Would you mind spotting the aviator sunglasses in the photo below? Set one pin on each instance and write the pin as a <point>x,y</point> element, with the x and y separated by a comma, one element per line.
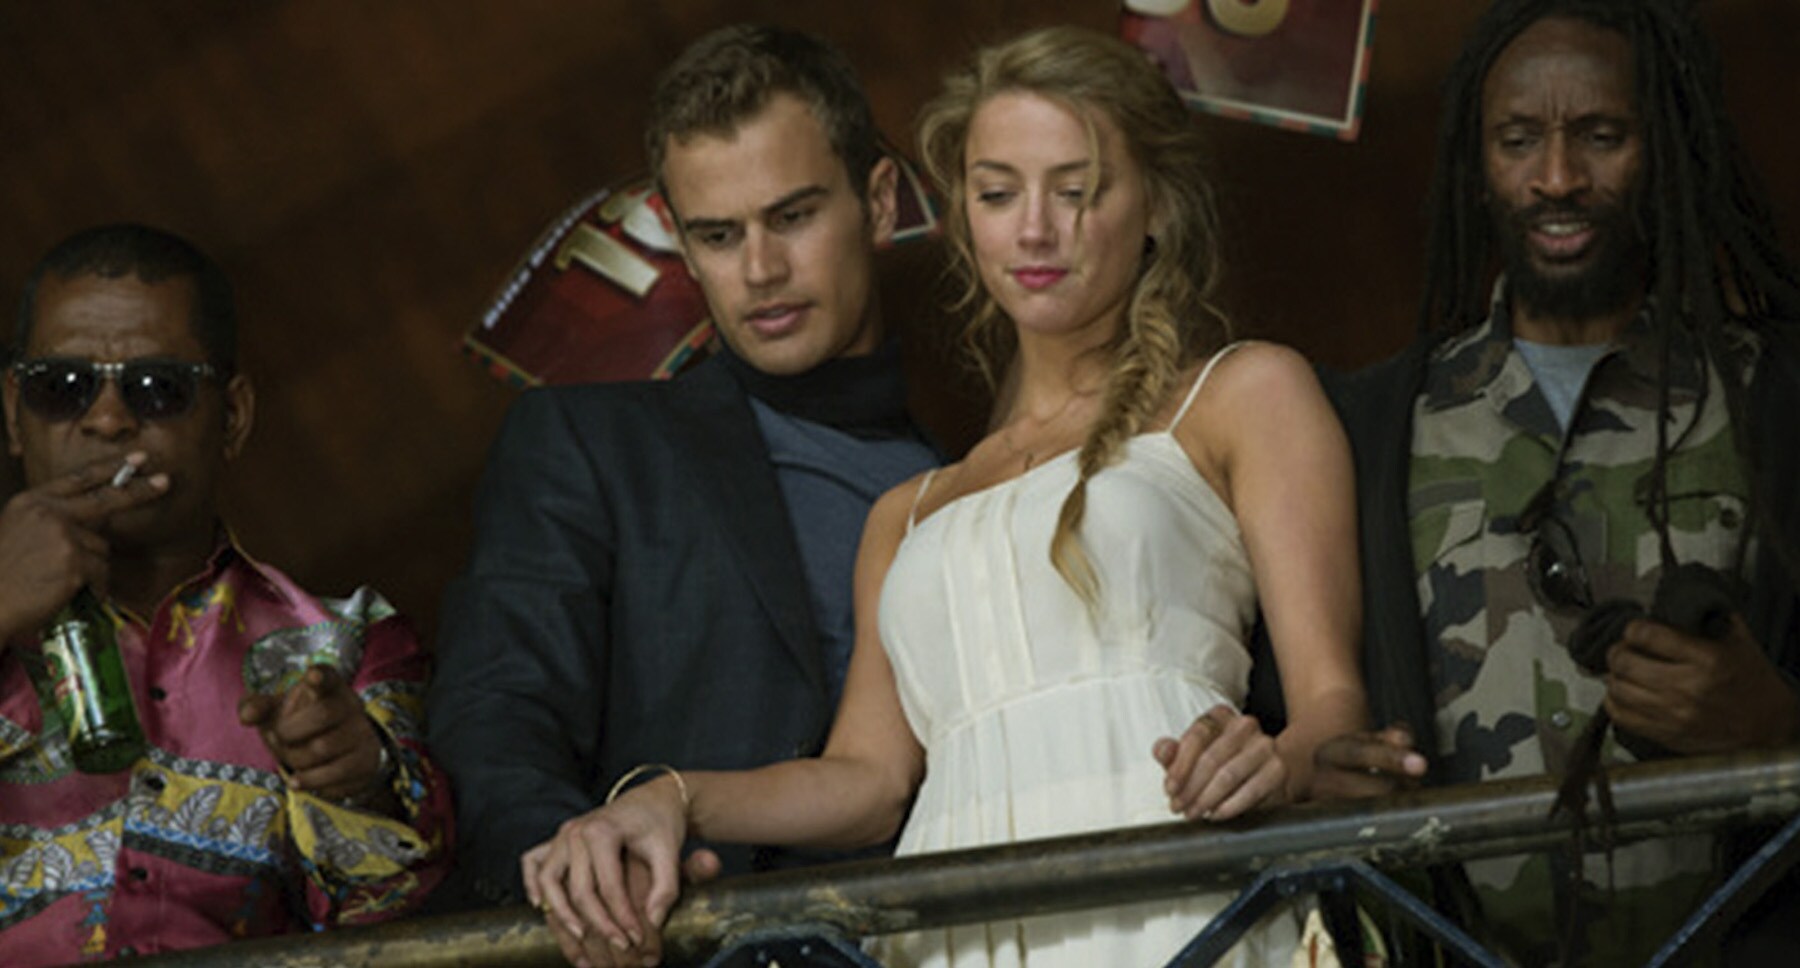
<point>1553,563</point>
<point>154,389</point>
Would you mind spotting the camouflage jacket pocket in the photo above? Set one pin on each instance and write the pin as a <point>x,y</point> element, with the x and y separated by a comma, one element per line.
<point>1449,535</point>
<point>1704,526</point>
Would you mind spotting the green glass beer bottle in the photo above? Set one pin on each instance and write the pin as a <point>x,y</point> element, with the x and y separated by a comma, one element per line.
<point>89,687</point>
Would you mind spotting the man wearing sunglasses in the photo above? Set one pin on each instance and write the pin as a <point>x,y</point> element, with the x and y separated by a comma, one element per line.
<point>284,786</point>
<point>1615,406</point>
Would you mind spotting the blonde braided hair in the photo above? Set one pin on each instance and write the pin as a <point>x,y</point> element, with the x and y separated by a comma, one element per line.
<point>1170,319</point>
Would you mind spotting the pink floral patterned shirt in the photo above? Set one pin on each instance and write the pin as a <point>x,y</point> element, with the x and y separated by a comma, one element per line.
<point>201,842</point>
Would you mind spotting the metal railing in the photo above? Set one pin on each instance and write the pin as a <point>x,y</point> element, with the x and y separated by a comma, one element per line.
<point>1298,844</point>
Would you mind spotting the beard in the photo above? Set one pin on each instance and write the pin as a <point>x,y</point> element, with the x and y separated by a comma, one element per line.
<point>1611,278</point>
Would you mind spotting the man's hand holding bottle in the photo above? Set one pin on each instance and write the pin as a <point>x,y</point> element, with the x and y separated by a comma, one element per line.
<point>50,538</point>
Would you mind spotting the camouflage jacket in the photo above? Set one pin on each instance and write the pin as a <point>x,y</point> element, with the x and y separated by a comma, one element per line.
<point>1452,440</point>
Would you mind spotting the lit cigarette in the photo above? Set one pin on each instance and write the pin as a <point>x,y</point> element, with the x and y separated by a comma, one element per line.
<point>126,472</point>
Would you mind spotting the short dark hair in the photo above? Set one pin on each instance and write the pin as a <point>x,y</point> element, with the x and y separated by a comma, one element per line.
<point>729,75</point>
<point>153,255</point>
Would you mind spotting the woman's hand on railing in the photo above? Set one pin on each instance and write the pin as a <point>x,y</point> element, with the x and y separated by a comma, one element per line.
<point>608,878</point>
<point>1222,767</point>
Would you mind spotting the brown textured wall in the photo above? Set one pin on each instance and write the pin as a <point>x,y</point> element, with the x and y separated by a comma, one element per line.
<point>368,173</point>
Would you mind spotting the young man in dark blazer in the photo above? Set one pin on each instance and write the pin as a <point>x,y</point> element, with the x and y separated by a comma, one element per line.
<point>661,572</point>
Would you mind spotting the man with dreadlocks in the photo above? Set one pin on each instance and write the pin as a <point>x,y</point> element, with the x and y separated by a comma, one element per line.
<point>1563,437</point>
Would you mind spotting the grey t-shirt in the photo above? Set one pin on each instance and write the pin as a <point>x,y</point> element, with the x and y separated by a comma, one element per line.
<point>1560,372</point>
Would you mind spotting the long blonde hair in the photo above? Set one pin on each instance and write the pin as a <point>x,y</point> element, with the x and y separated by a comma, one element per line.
<point>1170,320</point>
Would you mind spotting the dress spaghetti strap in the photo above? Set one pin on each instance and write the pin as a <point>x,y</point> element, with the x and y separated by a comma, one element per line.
<point>1200,381</point>
<point>912,515</point>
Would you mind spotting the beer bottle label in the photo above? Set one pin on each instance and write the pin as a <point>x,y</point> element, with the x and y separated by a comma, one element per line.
<point>67,665</point>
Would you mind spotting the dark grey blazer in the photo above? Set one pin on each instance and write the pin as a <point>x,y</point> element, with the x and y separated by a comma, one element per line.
<point>633,595</point>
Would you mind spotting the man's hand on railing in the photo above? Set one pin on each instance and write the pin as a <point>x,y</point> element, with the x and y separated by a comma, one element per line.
<point>1223,766</point>
<point>1366,764</point>
<point>608,878</point>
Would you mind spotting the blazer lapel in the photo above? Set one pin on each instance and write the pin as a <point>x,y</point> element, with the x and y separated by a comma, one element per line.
<point>737,483</point>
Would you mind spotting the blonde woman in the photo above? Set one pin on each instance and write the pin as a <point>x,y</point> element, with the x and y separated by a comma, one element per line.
<point>1051,632</point>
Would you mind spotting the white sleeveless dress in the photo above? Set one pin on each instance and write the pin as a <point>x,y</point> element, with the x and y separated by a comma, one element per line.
<point>1037,720</point>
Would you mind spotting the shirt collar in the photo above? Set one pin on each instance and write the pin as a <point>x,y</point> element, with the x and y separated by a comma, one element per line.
<point>228,555</point>
<point>1484,362</point>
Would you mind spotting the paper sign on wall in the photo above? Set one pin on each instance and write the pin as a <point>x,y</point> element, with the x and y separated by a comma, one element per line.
<point>1298,64</point>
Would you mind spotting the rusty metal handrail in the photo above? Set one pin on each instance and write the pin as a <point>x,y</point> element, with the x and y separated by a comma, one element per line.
<point>1087,871</point>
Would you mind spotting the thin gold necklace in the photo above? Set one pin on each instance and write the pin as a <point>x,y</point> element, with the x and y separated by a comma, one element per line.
<point>1030,455</point>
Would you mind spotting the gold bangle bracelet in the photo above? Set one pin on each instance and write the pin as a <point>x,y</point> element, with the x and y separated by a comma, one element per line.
<point>643,768</point>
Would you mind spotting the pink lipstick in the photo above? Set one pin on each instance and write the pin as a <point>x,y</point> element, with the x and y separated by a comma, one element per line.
<point>1039,277</point>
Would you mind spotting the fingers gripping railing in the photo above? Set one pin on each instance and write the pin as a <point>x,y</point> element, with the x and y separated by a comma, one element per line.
<point>1096,870</point>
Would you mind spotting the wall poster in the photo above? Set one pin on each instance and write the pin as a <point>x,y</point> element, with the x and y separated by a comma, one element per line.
<point>1298,64</point>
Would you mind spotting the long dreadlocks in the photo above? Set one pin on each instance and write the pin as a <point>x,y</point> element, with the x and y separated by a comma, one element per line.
<point>1713,254</point>
<point>1713,250</point>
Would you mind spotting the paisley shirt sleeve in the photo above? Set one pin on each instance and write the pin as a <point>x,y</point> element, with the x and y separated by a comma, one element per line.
<point>362,866</point>
<point>14,740</point>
